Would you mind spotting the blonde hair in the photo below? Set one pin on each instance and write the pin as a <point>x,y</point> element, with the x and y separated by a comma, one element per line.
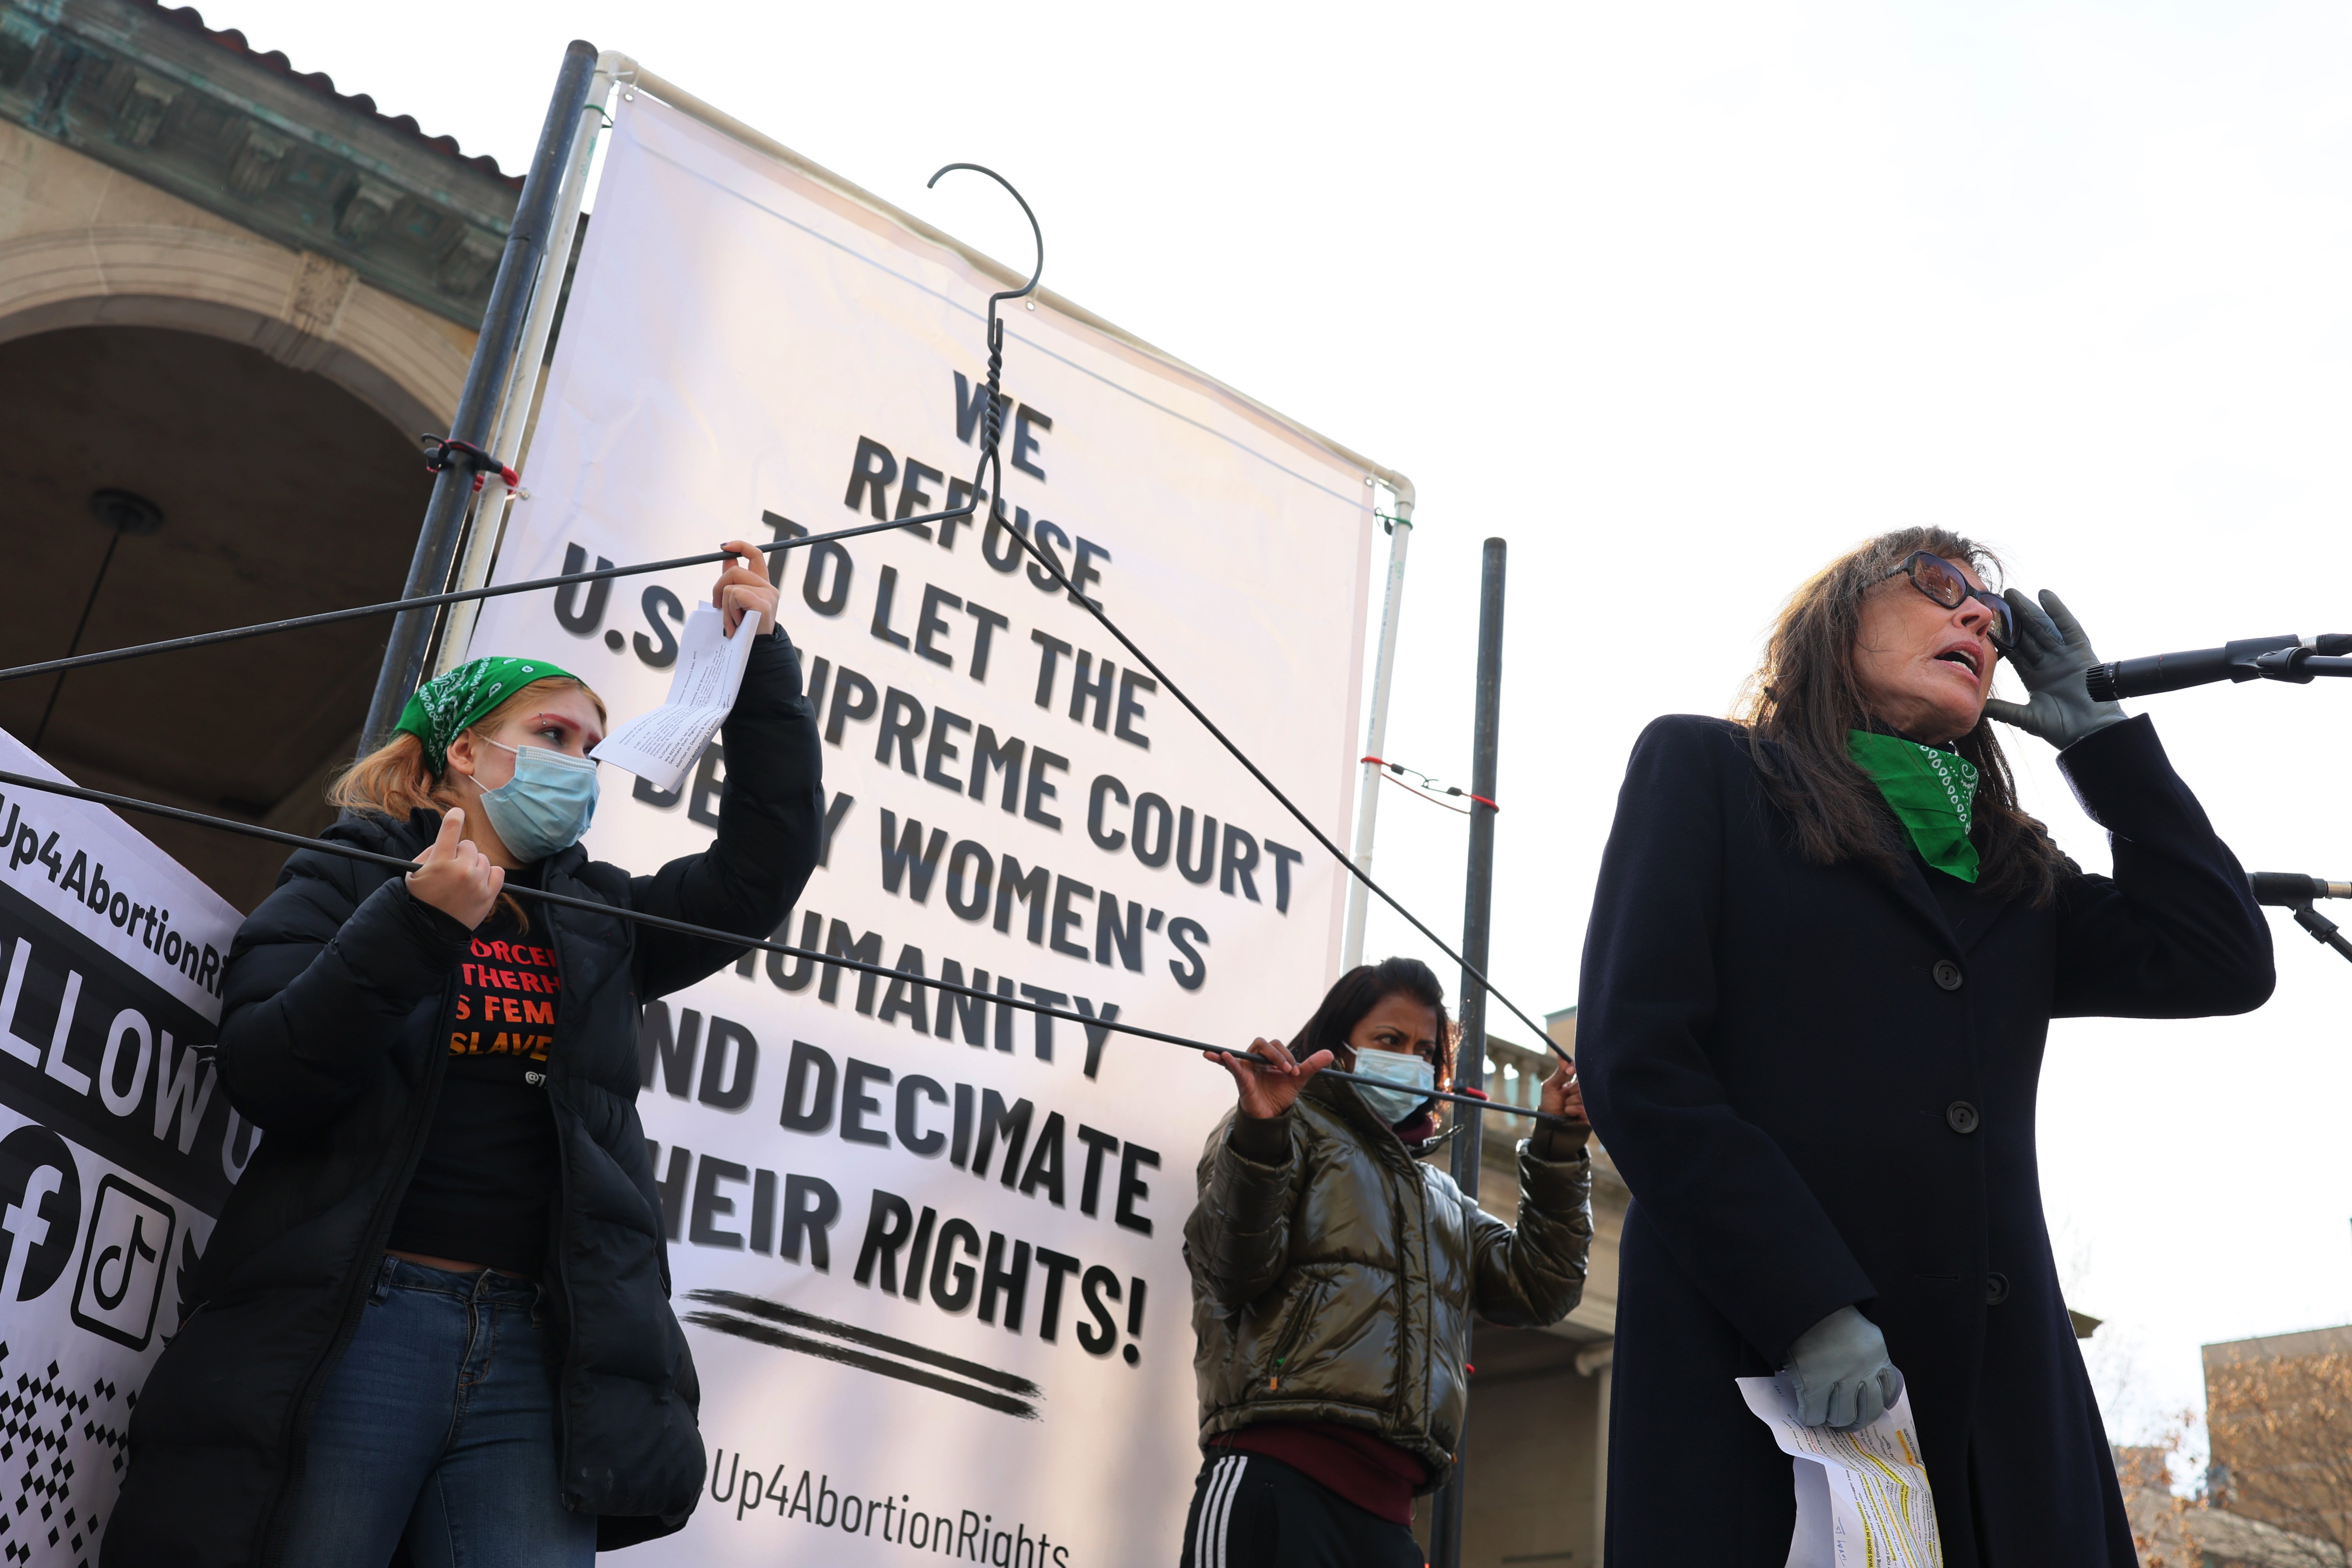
<point>392,781</point>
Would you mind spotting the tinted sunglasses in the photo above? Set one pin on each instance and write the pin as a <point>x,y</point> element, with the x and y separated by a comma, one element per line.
<point>1949,586</point>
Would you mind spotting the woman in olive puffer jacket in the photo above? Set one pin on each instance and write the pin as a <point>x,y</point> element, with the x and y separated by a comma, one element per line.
<point>1334,1276</point>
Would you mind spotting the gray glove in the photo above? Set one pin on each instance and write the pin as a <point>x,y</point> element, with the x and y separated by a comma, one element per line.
<point>1841,1372</point>
<point>2052,656</point>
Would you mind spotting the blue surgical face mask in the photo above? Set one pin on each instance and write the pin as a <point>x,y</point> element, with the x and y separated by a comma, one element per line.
<point>548,804</point>
<point>1393,1105</point>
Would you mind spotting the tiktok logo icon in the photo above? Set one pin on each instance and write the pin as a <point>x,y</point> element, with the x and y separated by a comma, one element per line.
<point>121,1284</point>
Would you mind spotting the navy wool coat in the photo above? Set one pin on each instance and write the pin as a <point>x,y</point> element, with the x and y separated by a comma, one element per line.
<point>1820,1085</point>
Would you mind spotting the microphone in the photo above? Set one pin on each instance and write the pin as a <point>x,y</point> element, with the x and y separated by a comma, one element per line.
<point>2172,671</point>
<point>2285,657</point>
<point>2289,890</point>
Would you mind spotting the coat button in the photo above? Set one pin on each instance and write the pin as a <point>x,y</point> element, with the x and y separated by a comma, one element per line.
<point>1996,1290</point>
<point>1947,974</point>
<point>1962,1117</point>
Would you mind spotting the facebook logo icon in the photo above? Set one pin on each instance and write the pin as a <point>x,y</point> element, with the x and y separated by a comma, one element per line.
<point>123,1266</point>
<point>40,1213</point>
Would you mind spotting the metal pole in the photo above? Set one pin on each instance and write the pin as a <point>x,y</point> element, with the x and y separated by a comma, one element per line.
<point>1351,950</point>
<point>485,378</point>
<point>518,407</point>
<point>1477,906</point>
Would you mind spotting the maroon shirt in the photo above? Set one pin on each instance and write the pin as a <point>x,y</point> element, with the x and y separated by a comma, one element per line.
<point>1378,1477</point>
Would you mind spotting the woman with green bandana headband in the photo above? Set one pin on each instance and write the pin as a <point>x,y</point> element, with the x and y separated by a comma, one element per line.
<point>435,1310</point>
<point>1335,1274</point>
<point>1822,959</point>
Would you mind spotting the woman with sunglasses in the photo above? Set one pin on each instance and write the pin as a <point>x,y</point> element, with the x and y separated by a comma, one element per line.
<point>1825,952</point>
<point>435,1314</point>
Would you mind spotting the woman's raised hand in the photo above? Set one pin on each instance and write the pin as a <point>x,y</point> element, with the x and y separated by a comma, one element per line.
<point>1563,1096</point>
<point>455,877</point>
<point>1267,1089</point>
<point>744,585</point>
<point>2052,656</point>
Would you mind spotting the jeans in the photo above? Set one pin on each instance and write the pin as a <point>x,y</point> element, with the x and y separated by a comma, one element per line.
<point>438,1423</point>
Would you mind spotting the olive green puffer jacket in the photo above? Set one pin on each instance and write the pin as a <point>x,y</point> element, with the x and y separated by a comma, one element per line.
<point>1338,1285</point>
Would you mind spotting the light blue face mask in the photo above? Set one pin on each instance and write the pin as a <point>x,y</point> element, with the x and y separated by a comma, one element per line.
<point>1393,1105</point>
<point>547,805</point>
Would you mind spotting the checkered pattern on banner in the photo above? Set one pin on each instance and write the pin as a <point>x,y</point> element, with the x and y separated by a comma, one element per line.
<point>50,1434</point>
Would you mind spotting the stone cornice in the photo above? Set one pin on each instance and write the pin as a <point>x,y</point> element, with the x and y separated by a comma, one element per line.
<point>152,93</point>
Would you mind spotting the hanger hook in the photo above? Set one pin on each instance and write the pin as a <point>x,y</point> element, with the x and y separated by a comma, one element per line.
<point>1037,231</point>
<point>992,424</point>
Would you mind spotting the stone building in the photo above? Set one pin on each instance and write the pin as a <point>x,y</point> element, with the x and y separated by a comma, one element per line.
<point>231,298</point>
<point>2278,1413</point>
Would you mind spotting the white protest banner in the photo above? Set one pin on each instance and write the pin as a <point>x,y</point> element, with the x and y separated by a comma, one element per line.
<point>117,1149</point>
<point>929,1250</point>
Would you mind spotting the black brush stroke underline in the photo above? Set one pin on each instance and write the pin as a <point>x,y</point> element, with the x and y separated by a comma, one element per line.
<point>761,1333</point>
<point>793,1317</point>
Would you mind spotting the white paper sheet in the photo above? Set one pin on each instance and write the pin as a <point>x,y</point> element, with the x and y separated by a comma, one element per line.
<point>1862,1497</point>
<point>660,746</point>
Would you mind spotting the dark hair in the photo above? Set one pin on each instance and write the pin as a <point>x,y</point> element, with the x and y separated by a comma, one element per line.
<point>1359,991</point>
<point>1803,698</point>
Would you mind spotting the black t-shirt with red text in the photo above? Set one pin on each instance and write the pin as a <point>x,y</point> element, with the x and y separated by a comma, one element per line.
<point>482,1186</point>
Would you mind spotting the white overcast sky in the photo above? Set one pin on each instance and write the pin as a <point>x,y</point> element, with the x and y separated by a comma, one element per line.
<point>1682,299</point>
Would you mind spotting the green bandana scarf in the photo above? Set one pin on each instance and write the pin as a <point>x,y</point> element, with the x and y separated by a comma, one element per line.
<point>444,705</point>
<point>1931,792</point>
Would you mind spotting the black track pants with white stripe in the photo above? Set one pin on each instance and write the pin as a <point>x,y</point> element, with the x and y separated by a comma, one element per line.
<point>1250,1511</point>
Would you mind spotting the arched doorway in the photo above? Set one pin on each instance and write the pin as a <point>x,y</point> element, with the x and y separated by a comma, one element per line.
<point>279,493</point>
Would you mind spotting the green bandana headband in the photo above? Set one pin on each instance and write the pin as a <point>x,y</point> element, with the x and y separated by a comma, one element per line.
<point>445,705</point>
<point>1931,792</point>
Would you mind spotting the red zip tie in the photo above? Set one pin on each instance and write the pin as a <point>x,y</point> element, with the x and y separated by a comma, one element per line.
<point>1401,768</point>
<point>442,452</point>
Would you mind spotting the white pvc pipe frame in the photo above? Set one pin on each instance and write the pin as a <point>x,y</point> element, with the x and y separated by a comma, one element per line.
<point>518,409</point>
<point>1376,732</point>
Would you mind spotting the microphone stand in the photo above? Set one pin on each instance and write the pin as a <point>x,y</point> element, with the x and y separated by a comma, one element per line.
<point>2323,930</point>
<point>2295,893</point>
<point>2300,666</point>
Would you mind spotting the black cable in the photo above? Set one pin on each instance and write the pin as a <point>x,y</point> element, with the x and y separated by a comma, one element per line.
<point>203,639</point>
<point>1062,581</point>
<point>425,601</point>
<point>709,933</point>
<point>989,463</point>
<point>105,564</point>
<point>968,511</point>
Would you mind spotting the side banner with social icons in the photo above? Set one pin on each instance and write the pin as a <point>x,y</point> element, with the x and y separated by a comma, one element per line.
<point>117,1146</point>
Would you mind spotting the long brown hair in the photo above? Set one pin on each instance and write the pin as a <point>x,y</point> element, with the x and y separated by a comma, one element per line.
<point>1803,698</point>
<point>392,781</point>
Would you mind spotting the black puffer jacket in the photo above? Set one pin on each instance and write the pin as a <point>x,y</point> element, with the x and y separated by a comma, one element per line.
<point>1338,1283</point>
<point>336,991</point>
